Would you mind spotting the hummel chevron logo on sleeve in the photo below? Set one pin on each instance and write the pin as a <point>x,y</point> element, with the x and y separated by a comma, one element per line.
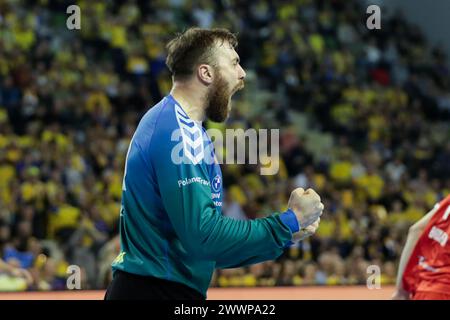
<point>192,136</point>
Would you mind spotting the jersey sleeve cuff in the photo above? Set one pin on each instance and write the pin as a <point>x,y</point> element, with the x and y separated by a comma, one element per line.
<point>290,220</point>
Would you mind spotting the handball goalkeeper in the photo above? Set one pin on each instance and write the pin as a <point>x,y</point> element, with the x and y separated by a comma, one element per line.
<point>173,234</point>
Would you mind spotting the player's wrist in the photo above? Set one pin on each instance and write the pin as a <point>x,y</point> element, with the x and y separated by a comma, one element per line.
<point>289,219</point>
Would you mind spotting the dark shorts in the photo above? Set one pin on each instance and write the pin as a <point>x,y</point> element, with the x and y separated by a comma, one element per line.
<point>127,286</point>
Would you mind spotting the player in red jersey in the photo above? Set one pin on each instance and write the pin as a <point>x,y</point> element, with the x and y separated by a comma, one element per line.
<point>424,270</point>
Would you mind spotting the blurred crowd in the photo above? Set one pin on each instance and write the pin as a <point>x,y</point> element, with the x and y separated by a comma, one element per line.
<point>70,101</point>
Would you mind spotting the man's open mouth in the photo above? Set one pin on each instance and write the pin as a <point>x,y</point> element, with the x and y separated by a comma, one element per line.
<point>238,87</point>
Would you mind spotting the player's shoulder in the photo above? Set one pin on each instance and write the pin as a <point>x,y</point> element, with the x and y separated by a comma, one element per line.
<point>158,120</point>
<point>166,127</point>
<point>447,198</point>
<point>147,127</point>
<point>445,202</point>
<point>180,136</point>
<point>158,115</point>
<point>165,117</point>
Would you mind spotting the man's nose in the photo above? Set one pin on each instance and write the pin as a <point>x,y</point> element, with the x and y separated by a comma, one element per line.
<point>242,73</point>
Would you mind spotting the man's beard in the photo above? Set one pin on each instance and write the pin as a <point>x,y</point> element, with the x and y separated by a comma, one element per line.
<point>219,98</point>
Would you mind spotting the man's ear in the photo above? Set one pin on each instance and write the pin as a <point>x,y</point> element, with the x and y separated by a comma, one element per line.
<point>205,73</point>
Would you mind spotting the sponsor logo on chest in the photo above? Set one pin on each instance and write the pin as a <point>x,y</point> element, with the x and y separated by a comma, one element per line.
<point>438,235</point>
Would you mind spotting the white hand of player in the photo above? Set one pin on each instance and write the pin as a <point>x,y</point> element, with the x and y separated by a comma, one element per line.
<point>306,205</point>
<point>306,232</point>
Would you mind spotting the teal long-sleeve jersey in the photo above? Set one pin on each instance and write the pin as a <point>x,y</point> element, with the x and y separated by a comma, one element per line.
<point>171,224</point>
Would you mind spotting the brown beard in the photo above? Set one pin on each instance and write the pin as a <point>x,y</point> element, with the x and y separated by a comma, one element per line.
<point>218,99</point>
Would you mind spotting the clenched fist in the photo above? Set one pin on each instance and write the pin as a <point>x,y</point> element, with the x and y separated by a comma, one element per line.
<point>306,232</point>
<point>307,207</point>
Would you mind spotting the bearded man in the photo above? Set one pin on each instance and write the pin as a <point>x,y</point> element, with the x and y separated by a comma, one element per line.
<point>173,234</point>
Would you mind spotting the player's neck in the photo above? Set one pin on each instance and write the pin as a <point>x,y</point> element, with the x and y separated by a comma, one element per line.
<point>191,99</point>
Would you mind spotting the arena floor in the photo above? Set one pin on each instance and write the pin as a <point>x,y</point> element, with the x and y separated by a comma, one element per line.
<point>280,293</point>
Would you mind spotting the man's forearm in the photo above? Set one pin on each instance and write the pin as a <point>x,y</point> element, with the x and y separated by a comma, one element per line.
<point>411,241</point>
